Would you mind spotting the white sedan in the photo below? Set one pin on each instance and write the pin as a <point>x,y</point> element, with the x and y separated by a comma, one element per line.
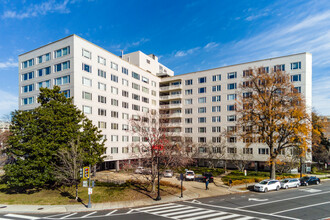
<point>287,183</point>
<point>267,185</point>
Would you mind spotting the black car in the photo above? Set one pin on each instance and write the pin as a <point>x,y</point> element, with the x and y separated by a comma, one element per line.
<point>305,181</point>
<point>209,176</point>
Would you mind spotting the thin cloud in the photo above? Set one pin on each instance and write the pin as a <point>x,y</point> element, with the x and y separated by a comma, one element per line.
<point>8,64</point>
<point>255,17</point>
<point>211,45</point>
<point>182,53</point>
<point>35,10</point>
<point>8,103</point>
<point>321,96</point>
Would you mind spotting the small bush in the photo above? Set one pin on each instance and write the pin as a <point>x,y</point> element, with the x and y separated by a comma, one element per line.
<point>314,170</point>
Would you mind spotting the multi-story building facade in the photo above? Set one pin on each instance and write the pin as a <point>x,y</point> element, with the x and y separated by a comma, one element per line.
<point>111,89</point>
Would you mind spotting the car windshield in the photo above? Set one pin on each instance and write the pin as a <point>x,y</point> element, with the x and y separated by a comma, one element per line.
<point>190,172</point>
<point>305,178</point>
<point>263,182</point>
<point>285,181</point>
<point>168,171</point>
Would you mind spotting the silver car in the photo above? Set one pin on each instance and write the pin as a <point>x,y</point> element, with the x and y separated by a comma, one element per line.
<point>291,182</point>
<point>168,173</point>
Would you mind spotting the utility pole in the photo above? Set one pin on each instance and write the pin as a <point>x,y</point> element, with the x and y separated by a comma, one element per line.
<point>89,189</point>
<point>158,193</point>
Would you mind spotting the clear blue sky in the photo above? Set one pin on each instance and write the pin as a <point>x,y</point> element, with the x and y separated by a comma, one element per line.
<point>186,35</point>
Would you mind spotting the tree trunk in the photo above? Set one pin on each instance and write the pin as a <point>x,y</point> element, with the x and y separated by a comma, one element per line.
<point>272,169</point>
<point>225,166</point>
<point>153,176</point>
<point>76,191</point>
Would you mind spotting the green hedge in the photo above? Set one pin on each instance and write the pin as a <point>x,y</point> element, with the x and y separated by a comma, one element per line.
<point>201,170</point>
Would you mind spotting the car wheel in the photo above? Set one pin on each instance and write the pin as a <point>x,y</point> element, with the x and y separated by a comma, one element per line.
<point>317,182</point>
<point>297,185</point>
<point>266,190</point>
<point>286,187</point>
<point>306,184</point>
<point>278,188</point>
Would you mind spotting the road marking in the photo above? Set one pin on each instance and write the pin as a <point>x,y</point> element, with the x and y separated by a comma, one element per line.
<point>171,210</point>
<point>88,214</point>
<point>182,212</point>
<point>148,207</point>
<point>111,212</point>
<point>52,216</point>
<point>212,215</point>
<point>196,201</point>
<point>68,215</point>
<point>258,200</point>
<point>22,216</point>
<point>225,217</point>
<point>281,200</point>
<point>193,214</point>
<point>244,210</point>
<point>245,218</point>
<point>302,207</point>
<point>130,211</point>
<point>5,219</point>
<point>310,190</point>
<point>152,209</point>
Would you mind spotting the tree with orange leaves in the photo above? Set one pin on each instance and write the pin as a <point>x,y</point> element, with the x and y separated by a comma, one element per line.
<point>273,112</point>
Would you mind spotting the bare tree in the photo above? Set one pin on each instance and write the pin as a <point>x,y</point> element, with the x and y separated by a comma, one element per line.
<point>240,157</point>
<point>272,111</point>
<point>66,171</point>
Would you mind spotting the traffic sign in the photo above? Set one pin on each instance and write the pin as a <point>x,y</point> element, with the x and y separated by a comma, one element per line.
<point>85,183</point>
<point>86,172</point>
<point>90,191</point>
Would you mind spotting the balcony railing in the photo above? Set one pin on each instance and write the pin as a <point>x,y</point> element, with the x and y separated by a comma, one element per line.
<point>167,97</point>
<point>179,105</point>
<point>171,87</point>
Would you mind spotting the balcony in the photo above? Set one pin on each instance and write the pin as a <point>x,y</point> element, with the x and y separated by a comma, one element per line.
<point>168,97</point>
<point>174,133</point>
<point>169,106</point>
<point>171,87</point>
<point>173,115</point>
<point>173,124</point>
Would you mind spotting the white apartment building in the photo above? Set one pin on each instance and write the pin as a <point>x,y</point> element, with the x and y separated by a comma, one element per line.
<point>110,90</point>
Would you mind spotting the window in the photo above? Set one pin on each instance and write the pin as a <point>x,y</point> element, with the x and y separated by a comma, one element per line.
<point>135,75</point>
<point>114,90</point>
<point>216,98</point>
<point>124,138</point>
<point>216,139</point>
<point>202,140</point>
<point>279,67</point>
<point>231,139</point>
<point>216,78</point>
<point>27,76</point>
<point>27,88</point>
<point>135,107</point>
<point>145,99</point>
<point>27,63</point>
<point>102,112</point>
<point>124,93</point>
<point>188,101</point>
<point>202,130</point>
<point>231,129</point>
<point>101,60</point>
<point>124,127</point>
<point>188,120</point>
<point>114,102</point>
<point>297,89</point>
<point>216,118</point>
<point>231,86</point>
<point>153,83</point>
<point>202,110</point>
<point>216,88</point>
<point>44,84</point>
<point>44,58</point>
<point>216,150</point>
<point>66,93</point>
<point>114,114</point>
<point>135,96</point>
<point>87,95</point>
<point>188,111</point>
<point>124,116</point>
<point>188,82</point>
<point>296,65</point>
<point>153,93</point>
<point>135,86</point>
<point>87,54</point>
<point>87,68</point>
<point>264,69</point>
<point>231,97</point>
<point>202,120</point>
<point>101,86</point>
<point>124,104</point>
<point>202,100</point>
<point>102,99</point>
<point>114,150</point>
<point>189,92</point>
<point>145,109</point>
<point>296,78</point>
<point>231,107</point>
<point>62,52</point>
<point>125,82</point>
<point>27,101</point>
<point>124,70</point>
<point>232,75</point>
<point>247,94</point>
<point>145,90</point>
<point>263,150</point>
<point>62,66</point>
<point>114,126</point>
<point>145,79</point>
<point>87,82</point>
<point>231,118</point>
<point>114,78</point>
<point>114,138</point>
<point>202,90</point>
<point>216,108</point>
<point>62,80</point>
<point>231,150</point>
<point>188,130</point>
<point>202,80</point>
<point>216,129</point>
<point>87,109</point>
<point>114,66</point>
<point>102,73</point>
<point>124,150</point>
<point>44,71</point>
<point>247,73</point>
<point>148,61</point>
<point>247,150</point>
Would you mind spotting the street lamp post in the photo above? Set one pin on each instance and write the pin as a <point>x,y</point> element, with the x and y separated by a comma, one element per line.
<point>158,192</point>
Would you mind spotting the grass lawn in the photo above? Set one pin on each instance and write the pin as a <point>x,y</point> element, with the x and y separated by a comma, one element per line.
<point>103,192</point>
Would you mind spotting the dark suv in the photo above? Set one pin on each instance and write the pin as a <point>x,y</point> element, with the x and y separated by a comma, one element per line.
<point>208,175</point>
<point>305,181</point>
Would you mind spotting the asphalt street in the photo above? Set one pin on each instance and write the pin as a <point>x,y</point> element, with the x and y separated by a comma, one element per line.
<point>310,202</point>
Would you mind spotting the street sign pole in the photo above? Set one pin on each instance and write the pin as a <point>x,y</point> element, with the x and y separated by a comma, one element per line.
<point>181,177</point>
<point>89,186</point>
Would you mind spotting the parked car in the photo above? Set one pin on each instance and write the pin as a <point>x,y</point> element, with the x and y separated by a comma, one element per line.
<point>291,182</point>
<point>267,185</point>
<point>208,175</point>
<point>309,180</point>
<point>190,175</point>
<point>168,173</point>
<point>142,170</point>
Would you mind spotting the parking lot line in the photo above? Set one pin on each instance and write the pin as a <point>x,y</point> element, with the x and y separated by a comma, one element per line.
<point>88,215</point>
<point>301,207</point>
<point>281,200</point>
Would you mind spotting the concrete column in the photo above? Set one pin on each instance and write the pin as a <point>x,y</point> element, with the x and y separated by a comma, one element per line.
<point>117,165</point>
